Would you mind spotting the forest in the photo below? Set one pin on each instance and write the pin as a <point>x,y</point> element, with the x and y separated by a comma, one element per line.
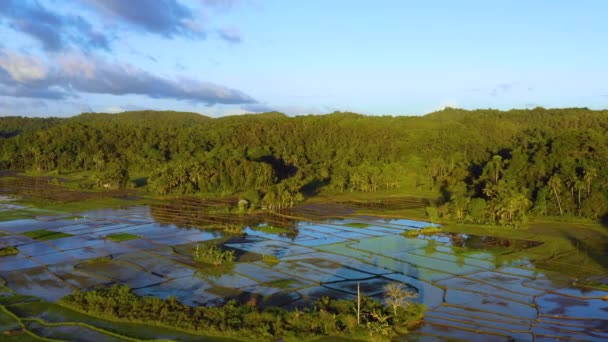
<point>482,166</point>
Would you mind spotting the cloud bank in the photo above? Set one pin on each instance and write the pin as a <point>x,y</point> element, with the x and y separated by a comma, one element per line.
<point>69,74</point>
<point>52,30</point>
<point>167,18</point>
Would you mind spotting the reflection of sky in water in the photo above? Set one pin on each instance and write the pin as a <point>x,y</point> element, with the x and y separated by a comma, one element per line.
<point>489,284</point>
<point>557,305</point>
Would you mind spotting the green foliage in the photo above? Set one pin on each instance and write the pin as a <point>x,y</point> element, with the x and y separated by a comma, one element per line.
<point>396,297</point>
<point>119,237</point>
<point>357,225</point>
<point>116,176</point>
<point>270,259</point>
<point>477,210</point>
<point>535,162</point>
<point>281,283</point>
<point>10,250</point>
<point>44,235</point>
<point>328,317</point>
<point>213,255</point>
<point>431,230</point>
<point>432,214</point>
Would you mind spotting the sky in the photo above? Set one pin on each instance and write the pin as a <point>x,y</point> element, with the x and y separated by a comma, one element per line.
<point>224,57</point>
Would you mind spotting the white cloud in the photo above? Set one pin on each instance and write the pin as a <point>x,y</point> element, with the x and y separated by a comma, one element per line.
<point>22,68</point>
<point>75,73</point>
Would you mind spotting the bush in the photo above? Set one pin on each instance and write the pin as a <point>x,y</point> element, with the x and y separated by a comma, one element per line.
<point>213,255</point>
<point>10,250</point>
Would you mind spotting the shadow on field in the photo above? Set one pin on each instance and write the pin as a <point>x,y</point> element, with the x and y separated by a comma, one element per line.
<point>593,247</point>
<point>141,181</point>
<point>604,221</point>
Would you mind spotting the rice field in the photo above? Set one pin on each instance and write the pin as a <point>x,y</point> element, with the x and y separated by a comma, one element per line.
<point>476,287</point>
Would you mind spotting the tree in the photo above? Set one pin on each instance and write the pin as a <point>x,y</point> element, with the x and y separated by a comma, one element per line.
<point>117,176</point>
<point>396,296</point>
<point>477,210</point>
<point>494,169</point>
<point>588,177</point>
<point>459,200</point>
<point>556,184</point>
<point>432,213</point>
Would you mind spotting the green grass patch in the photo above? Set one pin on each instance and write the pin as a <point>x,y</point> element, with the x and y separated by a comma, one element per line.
<point>7,322</point>
<point>19,214</point>
<point>593,284</point>
<point>424,231</point>
<point>45,235</point>
<point>572,250</point>
<point>213,255</point>
<point>84,205</point>
<point>281,283</point>
<point>57,314</point>
<point>17,298</point>
<point>122,237</point>
<point>10,250</point>
<point>270,259</point>
<point>357,225</point>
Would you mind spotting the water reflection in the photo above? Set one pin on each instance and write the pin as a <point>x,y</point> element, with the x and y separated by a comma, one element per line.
<point>491,284</point>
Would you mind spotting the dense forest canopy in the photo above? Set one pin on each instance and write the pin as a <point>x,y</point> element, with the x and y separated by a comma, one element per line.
<point>488,165</point>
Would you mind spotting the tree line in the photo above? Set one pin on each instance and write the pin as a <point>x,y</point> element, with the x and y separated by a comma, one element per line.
<point>487,166</point>
<point>327,317</point>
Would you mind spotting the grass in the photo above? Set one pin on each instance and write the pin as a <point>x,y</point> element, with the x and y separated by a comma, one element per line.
<point>55,314</point>
<point>573,250</point>
<point>281,283</point>
<point>357,225</point>
<point>213,255</point>
<point>270,259</point>
<point>10,250</point>
<point>119,237</point>
<point>20,214</point>
<point>424,231</point>
<point>45,235</point>
<point>80,206</point>
<point>593,284</point>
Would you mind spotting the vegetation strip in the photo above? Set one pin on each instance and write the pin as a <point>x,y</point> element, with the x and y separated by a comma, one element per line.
<point>10,250</point>
<point>327,318</point>
<point>24,327</point>
<point>84,325</point>
<point>45,235</point>
<point>120,237</point>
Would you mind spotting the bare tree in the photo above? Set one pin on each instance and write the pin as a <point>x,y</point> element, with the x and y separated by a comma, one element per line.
<point>396,296</point>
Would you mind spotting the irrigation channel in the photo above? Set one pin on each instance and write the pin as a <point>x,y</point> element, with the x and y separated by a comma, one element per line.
<point>476,288</point>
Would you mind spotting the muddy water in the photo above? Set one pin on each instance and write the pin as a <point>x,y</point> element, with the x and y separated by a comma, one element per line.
<point>476,288</point>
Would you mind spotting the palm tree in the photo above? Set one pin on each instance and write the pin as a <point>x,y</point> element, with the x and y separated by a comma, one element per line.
<point>494,169</point>
<point>588,177</point>
<point>556,183</point>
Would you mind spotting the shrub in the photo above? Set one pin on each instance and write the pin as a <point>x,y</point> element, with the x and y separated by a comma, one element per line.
<point>10,250</point>
<point>213,255</point>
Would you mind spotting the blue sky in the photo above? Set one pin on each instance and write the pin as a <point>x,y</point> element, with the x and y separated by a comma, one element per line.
<point>219,57</point>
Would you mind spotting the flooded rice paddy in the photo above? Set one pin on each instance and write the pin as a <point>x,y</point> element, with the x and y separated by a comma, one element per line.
<point>476,288</point>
